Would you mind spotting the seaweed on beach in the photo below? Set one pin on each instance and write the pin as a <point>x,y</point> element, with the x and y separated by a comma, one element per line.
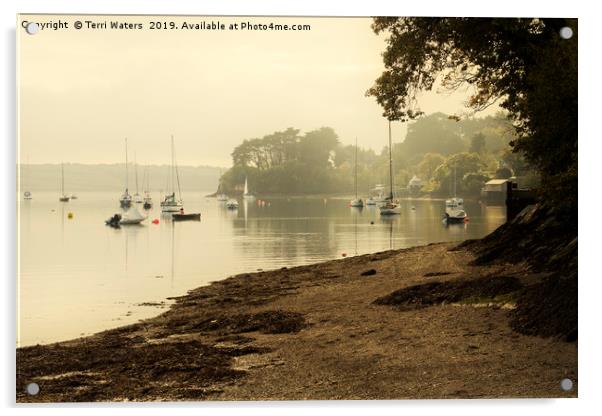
<point>434,293</point>
<point>267,322</point>
<point>115,367</point>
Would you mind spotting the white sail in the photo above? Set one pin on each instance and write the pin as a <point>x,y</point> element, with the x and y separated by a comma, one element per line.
<point>246,193</point>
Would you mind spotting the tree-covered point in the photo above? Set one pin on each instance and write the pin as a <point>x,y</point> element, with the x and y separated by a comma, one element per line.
<point>442,152</point>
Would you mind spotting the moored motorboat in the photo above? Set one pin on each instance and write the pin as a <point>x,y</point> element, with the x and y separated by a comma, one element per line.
<point>232,204</point>
<point>454,210</point>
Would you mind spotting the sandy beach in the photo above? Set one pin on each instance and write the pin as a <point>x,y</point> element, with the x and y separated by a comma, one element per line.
<point>343,329</point>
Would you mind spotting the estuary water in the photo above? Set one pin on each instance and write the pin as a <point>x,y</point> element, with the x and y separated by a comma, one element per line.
<point>77,276</point>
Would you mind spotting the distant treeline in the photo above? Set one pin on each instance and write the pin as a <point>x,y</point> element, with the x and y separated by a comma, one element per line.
<point>111,177</point>
<point>288,162</point>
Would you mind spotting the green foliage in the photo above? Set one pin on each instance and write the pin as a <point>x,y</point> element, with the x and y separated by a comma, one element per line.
<point>477,143</point>
<point>430,162</point>
<point>522,63</point>
<point>503,173</point>
<point>290,163</point>
<point>463,172</point>
<point>433,133</point>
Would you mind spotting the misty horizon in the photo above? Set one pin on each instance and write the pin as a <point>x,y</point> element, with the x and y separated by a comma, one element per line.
<point>211,91</point>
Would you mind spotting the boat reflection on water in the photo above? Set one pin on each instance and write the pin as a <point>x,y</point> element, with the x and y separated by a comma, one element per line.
<point>104,273</point>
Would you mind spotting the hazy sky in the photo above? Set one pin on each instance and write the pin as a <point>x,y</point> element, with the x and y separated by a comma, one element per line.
<point>82,91</point>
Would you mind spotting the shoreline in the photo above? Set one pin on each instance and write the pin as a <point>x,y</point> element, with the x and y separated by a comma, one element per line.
<point>342,329</point>
<point>349,196</point>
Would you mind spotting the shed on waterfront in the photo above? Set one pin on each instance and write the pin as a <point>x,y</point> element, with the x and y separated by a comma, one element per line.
<point>495,190</point>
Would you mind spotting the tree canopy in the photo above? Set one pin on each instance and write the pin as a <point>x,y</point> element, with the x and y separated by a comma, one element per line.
<point>289,162</point>
<point>522,64</point>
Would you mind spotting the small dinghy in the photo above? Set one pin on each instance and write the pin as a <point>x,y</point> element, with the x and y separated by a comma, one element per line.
<point>186,217</point>
<point>113,221</point>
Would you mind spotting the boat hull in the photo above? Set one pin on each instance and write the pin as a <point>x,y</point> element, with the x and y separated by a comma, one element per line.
<point>186,217</point>
<point>171,208</point>
<point>390,209</point>
<point>131,222</point>
<point>393,211</point>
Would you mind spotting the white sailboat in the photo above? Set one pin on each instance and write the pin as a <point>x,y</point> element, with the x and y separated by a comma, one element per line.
<point>148,200</point>
<point>246,193</point>
<point>131,216</point>
<point>390,207</point>
<point>357,202</point>
<point>63,197</point>
<point>454,207</point>
<point>126,199</point>
<point>137,198</point>
<point>170,203</point>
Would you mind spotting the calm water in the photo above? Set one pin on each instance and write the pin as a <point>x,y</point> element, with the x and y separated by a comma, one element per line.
<point>78,276</point>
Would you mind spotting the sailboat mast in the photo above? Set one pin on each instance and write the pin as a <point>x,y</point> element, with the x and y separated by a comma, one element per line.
<point>173,164</point>
<point>390,164</point>
<point>455,166</point>
<point>355,168</point>
<point>126,164</point>
<point>62,179</point>
<point>175,167</point>
<point>136,171</point>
